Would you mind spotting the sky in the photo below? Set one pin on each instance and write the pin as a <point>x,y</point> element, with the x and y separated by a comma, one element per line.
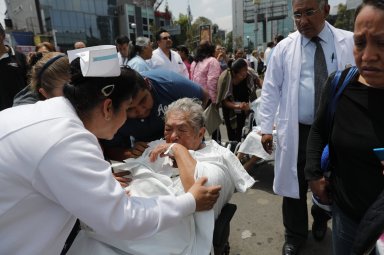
<point>219,11</point>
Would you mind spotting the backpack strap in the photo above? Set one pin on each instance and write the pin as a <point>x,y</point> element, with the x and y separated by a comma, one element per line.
<point>336,91</point>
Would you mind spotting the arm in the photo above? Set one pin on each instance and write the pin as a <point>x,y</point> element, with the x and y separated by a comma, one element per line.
<point>317,139</point>
<point>271,92</point>
<point>87,189</point>
<point>214,71</point>
<point>185,163</point>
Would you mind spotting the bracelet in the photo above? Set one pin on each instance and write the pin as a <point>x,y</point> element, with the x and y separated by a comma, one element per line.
<point>169,151</point>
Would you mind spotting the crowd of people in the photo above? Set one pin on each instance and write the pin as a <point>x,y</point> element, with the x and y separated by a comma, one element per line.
<point>148,108</point>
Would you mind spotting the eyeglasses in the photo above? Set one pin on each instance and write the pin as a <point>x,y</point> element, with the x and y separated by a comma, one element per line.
<point>166,38</point>
<point>309,13</point>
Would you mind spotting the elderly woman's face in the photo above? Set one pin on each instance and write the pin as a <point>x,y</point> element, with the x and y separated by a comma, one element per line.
<point>179,130</point>
<point>369,45</point>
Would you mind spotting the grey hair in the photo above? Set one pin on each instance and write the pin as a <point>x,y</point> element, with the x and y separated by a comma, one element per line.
<point>191,108</point>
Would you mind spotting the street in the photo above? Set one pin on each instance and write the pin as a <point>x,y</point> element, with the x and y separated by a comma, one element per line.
<point>257,227</point>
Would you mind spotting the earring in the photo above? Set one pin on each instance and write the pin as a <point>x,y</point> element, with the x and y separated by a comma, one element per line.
<point>108,118</point>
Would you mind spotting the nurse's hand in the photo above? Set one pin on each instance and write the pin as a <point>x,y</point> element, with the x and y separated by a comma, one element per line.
<point>267,142</point>
<point>205,196</point>
<point>321,189</point>
<point>124,181</point>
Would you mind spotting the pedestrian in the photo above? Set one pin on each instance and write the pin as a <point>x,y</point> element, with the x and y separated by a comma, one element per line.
<point>123,48</point>
<point>184,54</point>
<point>294,78</point>
<point>48,76</point>
<point>356,184</point>
<point>13,72</point>
<point>164,57</point>
<point>205,69</point>
<point>143,52</point>
<point>53,171</point>
<point>79,45</point>
<point>236,89</point>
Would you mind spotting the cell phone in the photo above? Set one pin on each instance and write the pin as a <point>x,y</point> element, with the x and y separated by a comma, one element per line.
<point>379,152</point>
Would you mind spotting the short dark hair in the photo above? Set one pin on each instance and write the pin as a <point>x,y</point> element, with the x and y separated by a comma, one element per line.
<point>85,93</point>
<point>375,3</point>
<point>158,38</point>
<point>122,39</point>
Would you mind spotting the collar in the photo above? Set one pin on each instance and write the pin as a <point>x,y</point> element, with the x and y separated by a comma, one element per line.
<point>325,35</point>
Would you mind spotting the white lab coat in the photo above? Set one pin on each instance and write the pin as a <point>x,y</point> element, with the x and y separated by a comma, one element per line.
<point>281,89</point>
<point>52,170</point>
<point>176,64</point>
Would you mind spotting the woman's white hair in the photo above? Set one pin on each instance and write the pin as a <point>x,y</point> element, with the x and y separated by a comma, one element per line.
<point>192,110</point>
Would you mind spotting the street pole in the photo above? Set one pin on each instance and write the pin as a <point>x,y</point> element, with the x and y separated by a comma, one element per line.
<point>146,11</point>
<point>133,26</point>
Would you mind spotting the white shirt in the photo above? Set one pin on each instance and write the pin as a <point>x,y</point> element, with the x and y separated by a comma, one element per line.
<point>175,64</point>
<point>307,74</point>
<point>123,61</point>
<point>52,172</point>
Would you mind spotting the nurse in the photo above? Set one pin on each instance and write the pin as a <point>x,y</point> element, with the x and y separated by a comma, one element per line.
<point>53,171</point>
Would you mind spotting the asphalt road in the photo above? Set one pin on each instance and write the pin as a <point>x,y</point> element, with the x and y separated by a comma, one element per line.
<point>257,226</point>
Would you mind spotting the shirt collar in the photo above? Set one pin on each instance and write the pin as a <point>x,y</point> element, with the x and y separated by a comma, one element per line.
<point>325,36</point>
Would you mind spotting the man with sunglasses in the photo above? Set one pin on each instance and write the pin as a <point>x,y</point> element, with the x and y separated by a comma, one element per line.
<point>165,58</point>
<point>296,72</point>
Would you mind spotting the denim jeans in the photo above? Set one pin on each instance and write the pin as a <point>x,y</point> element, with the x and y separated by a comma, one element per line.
<point>343,232</point>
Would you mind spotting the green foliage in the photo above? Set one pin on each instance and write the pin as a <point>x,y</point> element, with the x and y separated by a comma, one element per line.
<point>229,42</point>
<point>344,18</point>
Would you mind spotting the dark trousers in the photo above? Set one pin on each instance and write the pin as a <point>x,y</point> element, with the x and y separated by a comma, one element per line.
<point>234,134</point>
<point>295,212</point>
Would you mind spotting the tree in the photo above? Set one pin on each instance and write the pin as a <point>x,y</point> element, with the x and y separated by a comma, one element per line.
<point>238,42</point>
<point>229,42</point>
<point>185,36</point>
<point>344,18</point>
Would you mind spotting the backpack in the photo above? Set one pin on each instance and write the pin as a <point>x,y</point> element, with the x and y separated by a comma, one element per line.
<point>336,91</point>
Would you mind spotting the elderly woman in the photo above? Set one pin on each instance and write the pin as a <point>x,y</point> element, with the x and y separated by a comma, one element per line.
<point>171,167</point>
<point>143,51</point>
<point>356,182</point>
<point>53,170</point>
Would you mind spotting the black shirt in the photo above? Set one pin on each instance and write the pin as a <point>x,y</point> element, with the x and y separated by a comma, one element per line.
<point>13,78</point>
<point>358,127</point>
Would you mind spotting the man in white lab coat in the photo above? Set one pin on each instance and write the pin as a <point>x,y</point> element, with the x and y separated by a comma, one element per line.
<point>290,85</point>
<point>164,57</point>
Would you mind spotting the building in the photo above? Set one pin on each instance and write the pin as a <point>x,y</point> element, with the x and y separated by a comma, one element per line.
<point>65,22</point>
<point>257,22</point>
<point>94,22</point>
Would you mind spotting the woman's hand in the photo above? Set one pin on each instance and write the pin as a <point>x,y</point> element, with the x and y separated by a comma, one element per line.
<point>205,197</point>
<point>124,181</point>
<point>244,106</point>
<point>267,142</point>
<point>320,188</point>
<point>160,150</point>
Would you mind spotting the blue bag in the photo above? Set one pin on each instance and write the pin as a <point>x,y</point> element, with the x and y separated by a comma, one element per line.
<point>335,95</point>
